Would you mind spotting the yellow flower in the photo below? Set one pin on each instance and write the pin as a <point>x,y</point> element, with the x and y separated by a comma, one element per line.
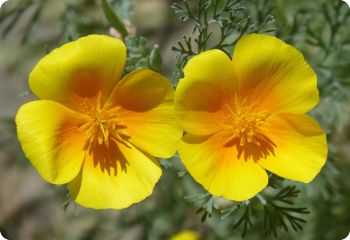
<point>94,131</point>
<point>248,115</point>
<point>185,235</point>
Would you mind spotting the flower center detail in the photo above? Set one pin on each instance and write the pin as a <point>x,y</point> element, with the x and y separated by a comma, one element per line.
<point>246,132</point>
<point>101,125</point>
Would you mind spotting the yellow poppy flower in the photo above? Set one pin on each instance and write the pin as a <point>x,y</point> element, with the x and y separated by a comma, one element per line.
<point>185,235</point>
<point>247,115</point>
<point>94,131</point>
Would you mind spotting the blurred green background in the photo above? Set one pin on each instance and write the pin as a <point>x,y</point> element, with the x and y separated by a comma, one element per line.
<point>30,208</point>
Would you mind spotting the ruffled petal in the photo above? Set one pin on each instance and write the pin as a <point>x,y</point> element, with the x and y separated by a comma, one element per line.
<point>147,112</point>
<point>79,70</point>
<point>301,147</point>
<point>274,75</point>
<point>215,164</point>
<point>209,81</point>
<point>115,177</point>
<point>50,138</point>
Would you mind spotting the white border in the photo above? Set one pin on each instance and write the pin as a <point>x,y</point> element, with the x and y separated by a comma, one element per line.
<point>347,237</point>
<point>2,2</point>
<point>2,237</point>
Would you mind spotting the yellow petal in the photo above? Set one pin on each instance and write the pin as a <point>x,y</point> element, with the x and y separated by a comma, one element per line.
<point>50,138</point>
<point>274,75</point>
<point>214,164</point>
<point>209,81</point>
<point>115,177</point>
<point>147,112</point>
<point>79,70</point>
<point>185,235</point>
<point>301,147</point>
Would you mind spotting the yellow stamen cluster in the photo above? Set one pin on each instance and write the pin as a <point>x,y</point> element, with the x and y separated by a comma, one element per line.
<point>246,130</point>
<point>101,124</point>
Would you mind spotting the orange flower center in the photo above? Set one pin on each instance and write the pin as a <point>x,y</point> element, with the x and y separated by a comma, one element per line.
<point>101,124</point>
<point>246,131</point>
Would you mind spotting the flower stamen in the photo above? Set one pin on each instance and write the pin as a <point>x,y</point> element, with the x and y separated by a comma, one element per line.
<point>101,124</point>
<point>246,130</point>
